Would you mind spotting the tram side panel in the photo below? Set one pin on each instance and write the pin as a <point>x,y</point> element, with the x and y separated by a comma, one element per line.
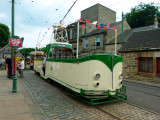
<point>38,66</point>
<point>71,75</point>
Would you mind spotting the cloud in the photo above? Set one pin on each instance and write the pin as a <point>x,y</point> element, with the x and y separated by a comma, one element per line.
<point>35,16</point>
<point>2,15</point>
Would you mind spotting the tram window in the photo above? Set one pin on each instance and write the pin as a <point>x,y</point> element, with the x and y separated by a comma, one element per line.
<point>52,53</point>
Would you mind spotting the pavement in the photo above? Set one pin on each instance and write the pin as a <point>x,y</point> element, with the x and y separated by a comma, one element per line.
<point>18,105</point>
<point>143,82</point>
<point>36,99</point>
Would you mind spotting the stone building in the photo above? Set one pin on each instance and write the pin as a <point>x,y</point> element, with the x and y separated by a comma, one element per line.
<point>99,13</point>
<point>141,54</point>
<point>91,39</point>
<point>103,40</point>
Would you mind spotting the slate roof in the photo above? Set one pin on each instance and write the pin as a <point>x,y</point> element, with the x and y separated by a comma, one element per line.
<point>128,33</point>
<point>101,30</point>
<point>142,40</point>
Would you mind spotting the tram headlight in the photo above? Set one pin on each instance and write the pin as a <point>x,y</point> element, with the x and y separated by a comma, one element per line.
<point>98,76</point>
<point>121,76</point>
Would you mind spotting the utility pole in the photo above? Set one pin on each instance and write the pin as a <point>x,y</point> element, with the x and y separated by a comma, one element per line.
<point>122,29</point>
<point>14,77</point>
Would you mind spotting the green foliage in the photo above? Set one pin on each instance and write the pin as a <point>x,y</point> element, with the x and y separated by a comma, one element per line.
<point>142,15</point>
<point>4,35</point>
<point>26,51</point>
<point>43,49</point>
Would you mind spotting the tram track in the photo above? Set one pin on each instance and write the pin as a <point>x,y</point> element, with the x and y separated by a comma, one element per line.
<point>107,113</point>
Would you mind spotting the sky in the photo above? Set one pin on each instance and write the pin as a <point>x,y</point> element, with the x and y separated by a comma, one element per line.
<point>34,18</point>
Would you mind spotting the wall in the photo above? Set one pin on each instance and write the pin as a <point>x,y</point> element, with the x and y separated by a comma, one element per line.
<point>106,15</point>
<point>99,13</point>
<point>130,66</point>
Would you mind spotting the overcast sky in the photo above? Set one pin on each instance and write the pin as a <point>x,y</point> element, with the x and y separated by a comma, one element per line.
<point>35,17</point>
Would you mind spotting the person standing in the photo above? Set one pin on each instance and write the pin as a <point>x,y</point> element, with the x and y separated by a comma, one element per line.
<point>44,65</point>
<point>21,67</point>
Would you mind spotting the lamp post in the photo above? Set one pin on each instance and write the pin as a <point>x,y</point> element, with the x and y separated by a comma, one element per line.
<point>15,42</point>
<point>14,77</point>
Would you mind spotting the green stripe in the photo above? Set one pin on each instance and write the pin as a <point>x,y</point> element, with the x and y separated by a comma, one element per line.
<point>105,58</point>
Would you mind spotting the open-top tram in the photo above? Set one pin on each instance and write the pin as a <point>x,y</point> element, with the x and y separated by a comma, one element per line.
<point>95,78</point>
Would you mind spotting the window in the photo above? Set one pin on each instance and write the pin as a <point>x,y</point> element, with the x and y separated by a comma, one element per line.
<point>75,34</point>
<point>97,42</point>
<point>158,65</point>
<point>86,44</point>
<point>75,50</point>
<point>145,65</point>
<point>68,33</point>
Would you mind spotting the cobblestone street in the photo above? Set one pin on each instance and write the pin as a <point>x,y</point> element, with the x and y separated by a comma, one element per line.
<point>56,105</point>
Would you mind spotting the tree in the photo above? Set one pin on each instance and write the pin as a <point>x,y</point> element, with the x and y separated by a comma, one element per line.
<point>4,35</point>
<point>142,15</point>
<point>43,49</point>
<point>26,51</point>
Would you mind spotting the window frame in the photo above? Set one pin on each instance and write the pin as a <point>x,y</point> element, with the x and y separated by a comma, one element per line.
<point>86,44</point>
<point>157,66</point>
<point>96,47</point>
<point>145,64</point>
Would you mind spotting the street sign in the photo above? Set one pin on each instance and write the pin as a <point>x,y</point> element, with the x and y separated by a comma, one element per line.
<point>16,42</point>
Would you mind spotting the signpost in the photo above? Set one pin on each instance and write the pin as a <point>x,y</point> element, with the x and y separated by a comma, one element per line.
<point>15,42</point>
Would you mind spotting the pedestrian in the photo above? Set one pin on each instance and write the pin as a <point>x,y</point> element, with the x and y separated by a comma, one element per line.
<point>9,67</point>
<point>44,65</point>
<point>21,67</point>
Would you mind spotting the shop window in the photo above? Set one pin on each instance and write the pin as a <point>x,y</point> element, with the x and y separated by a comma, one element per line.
<point>145,64</point>
<point>97,42</point>
<point>158,65</point>
<point>86,44</point>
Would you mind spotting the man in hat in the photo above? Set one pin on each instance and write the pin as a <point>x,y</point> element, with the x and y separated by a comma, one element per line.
<point>21,67</point>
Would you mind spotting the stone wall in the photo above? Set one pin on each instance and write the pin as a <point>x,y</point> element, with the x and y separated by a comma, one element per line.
<point>111,48</point>
<point>92,42</point>
<point>130,66</point>
<point>106,15</point>
<point>99,13</point>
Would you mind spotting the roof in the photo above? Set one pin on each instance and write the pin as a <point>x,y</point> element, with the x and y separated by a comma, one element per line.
<point>101,30</point>
<point>142,40</point>
<point>128,33</point>
<point>4,47</point>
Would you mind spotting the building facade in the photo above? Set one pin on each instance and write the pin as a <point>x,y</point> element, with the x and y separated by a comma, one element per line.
<point>95,40</point>
<point>141,55</point>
